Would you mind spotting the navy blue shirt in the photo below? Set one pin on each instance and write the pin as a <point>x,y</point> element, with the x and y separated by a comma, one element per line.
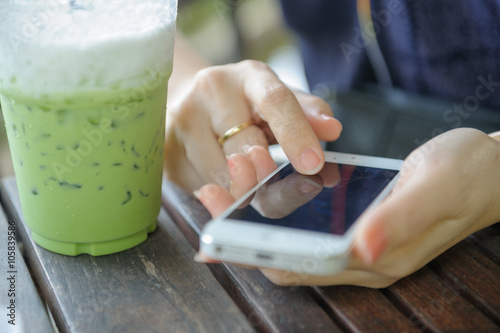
<point>444,48</point>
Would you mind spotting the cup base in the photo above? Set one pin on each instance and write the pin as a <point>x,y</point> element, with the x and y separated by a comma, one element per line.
<point>94,249</point>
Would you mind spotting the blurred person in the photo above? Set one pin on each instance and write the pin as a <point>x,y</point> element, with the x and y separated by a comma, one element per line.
<point>221,120</point>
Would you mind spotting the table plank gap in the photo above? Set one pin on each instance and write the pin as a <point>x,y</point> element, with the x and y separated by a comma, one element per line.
<point>19,291</point>
<point>269,308</point>
<point>331,311</point>
<point>412,300</point>
<point>488,241</point>
<point>258,320</point>
<point>188,220</point>
<point>155,286</point>
<point>415,318</point>
<point>13,208</point>
<point>472,275</point>
<point>440,306</point>
<point>360,309</point>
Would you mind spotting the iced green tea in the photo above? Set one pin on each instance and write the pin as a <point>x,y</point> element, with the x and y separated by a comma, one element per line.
<point>85,120</point>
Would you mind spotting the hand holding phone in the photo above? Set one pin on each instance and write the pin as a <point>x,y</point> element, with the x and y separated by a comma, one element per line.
<point>301,223</point>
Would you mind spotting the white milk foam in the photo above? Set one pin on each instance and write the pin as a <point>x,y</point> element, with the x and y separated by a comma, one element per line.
<point>53,46</point>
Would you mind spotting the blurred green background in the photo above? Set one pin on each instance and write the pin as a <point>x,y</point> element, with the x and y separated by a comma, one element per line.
<point>230,30</point>
<point>225,31</point>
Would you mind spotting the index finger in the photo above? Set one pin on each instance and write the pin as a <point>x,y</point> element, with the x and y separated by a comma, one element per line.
<point>274,103</point>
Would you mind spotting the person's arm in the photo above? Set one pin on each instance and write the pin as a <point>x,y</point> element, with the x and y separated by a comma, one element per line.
<point>187,62</point>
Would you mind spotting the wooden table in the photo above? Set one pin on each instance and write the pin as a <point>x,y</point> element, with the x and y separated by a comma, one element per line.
<point>157,287</point>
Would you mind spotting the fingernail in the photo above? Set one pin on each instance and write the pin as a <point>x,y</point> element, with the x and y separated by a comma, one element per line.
<point>326,116</point>
<point>197,194</point>
<point>309,186</point>
<point>310,161</point>
<point>371,247</point>
<point>246,149</point>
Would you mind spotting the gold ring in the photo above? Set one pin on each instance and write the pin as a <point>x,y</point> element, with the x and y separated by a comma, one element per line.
<point>234,130</point>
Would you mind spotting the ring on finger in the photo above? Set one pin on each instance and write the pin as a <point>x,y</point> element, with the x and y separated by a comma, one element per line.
<point>233,131</point>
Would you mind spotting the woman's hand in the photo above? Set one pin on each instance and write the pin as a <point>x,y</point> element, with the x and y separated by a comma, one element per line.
<point>448,189</point>
<point>222,97</point>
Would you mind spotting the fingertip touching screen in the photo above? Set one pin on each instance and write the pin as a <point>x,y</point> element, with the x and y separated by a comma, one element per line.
<point>329,202</point>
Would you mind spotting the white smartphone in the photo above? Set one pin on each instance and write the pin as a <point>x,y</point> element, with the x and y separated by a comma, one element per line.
<point>301,223</point>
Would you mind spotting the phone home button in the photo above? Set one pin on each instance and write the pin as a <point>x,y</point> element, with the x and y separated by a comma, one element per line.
<point>277,237</point>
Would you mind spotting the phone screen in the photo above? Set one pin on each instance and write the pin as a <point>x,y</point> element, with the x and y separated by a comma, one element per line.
<point>338,196</point>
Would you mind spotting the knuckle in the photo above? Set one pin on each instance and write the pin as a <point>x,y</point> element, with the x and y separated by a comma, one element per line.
<point>208,78</point>
<point>181,117</point>
<point>254,65</point>
<point>317,103</point>
<point>322,106</point>
<point>276,94</point>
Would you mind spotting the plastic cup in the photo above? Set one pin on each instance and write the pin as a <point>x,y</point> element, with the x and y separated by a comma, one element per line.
<point>83,89</point>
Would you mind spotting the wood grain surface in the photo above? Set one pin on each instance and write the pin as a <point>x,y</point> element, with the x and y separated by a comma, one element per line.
<point>153,287</point>
<point>157,287</point>
<point>17,287</point>
<point>459,291</point>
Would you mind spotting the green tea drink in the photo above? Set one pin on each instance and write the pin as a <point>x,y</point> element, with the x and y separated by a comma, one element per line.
<point>84,106</point>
